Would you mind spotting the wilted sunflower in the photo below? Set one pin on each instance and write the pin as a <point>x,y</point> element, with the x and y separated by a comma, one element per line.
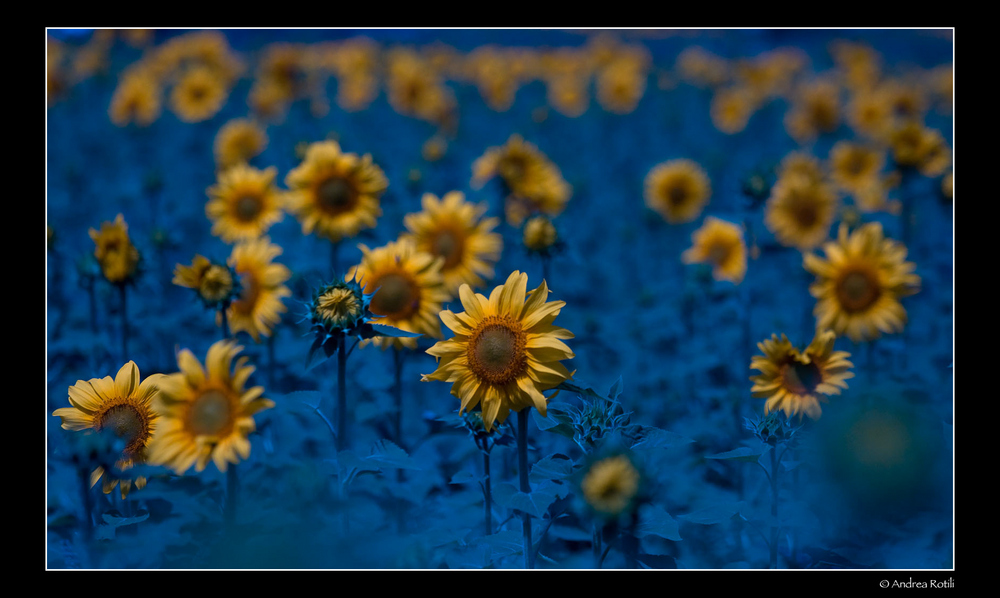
<point>611,485</point>
<point>114,251</point>
<point>678,190</point>
<point>859,284</point>
<point>407,289</point>
<point>205,412</point>
<point>505,351</point>
<point>199,95</point>
<point>720,244</point>
<point>454,229</point>
<point>797,381</point>
<point>258,308</point>
<point>333,193</point>
<point>800,211</point>
<point>237,141</point>
<point>123,406</point>
<point>216,284</point>
<point>244,203</point>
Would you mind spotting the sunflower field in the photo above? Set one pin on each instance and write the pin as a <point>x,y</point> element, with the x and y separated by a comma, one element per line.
<point>500,299</point>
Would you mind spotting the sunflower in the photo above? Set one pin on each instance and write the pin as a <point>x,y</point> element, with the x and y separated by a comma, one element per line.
<point>869,113</point>
<point>916,146</point>
<point>206,413</point>
<point>199,95</point>
<point>800,211</point>
<point>540,235</point>
<point>407,289</point>
<point>620,85</point>
<point>568,94</point>
<point>505,351</point>
<point>137,98</point>
<point>854,166</point>
<point>259,306</point>
<point>114,251</point>
<point>333,193</point>
<point>797,381</point>
<point>815,109</point>
<point>731,109</point>
<point>678,190</point>
<point>124,406</point>
<point>237,141</point>
<point>454,229</point>
<point>802,164</point>
<point>859,284</point>
<point>216,284</point>
<point>244,203</point>
<point>611,485</point>
<point>533,182</point>
<point>720,244</point>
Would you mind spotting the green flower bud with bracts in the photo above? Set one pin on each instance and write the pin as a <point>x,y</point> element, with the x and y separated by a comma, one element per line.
<point>773,428</point>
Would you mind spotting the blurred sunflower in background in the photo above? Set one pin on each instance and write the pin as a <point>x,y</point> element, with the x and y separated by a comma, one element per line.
<point>206,412</point>
<point>731,109</point>
<point>259,306</point>
<point>860,283</point>
<point>454,230</point>
<point>125,407</point>
<point>539,236</point>
<point>216,284</point>
<point>506,350</point>
<point>244,203</point>
<point>333,193</point>
<point>610,485</point>
<point>815,109</point>
<point>198,95</point>
<point>720,244</point>
<point>407,290</point>
<point>915,146</point>
<point>678,190</point>
<point>854,166</point>
<point>796,382</point>
<point>800,211</point>
<point>138,99</point>
<point>114,251</point>
<point>237,142</point>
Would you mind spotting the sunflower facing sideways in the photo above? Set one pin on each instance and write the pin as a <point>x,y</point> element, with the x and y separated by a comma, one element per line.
<point>262,287</point>
<point>506,352</point>
<point>678,190</point>
<point>797,381</point>
<point>406,287</point>
<point>333,193</point>
<point>720,244</point>
<point>125,407</point>
<point>454,229</point>
<point>244,203</point>
<point>237,142</point>
<point>859,285</point>
<point>206,412</point>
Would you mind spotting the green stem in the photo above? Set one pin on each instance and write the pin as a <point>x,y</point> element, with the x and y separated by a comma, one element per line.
<point>88,507</point>
<point>774,510</point>
<point>596,545</point>
<point>487,495</point>
<point>335,258</point>
<point>225,321</point>
<point>123,293</point>
<point>522,467</point>
<point>341,395</point>
<point>397,424</point>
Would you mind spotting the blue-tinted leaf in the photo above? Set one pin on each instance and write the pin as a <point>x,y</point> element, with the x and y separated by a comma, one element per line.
<point>311,398</point>
<point>712,514</point>
<point>384,330</point>
<point>503,543</point>
<point>469,557</point>
<point>553,467</point>
<point>387,454</point>
<point>116,519</point>
<point>616,389</point>
<point>649,437</point>
<point>744,453</point>
<point>315,355</point>
<point>535,504</point>
<point>654,520</point>
<point>465,477</point>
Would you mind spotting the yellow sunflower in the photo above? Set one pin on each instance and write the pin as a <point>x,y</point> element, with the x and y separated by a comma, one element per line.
<point>539,235</point>
<point>454,229</point>
<point>214,283</point>
<point>407,289</point>
<point>244,203</point>
<point>333,193</point>
<point>916,146</point>
<point>802,164</point>
<point>534,183</point>
<point>720,244</point>
<point>869,113</point>
<point>206,413</point>
<point>117,256</point>
<point>505,351</point>
<point>678,190</point>
<point>258,308</point>
<point>815,109</point>
<point>198,95</point>
<point>611,485</point>
<point>731,109</point>
<point>124,406</point>
<point>237,141</point>
<point>859,285</point>
<point>800,211</point>
<point>137,98</point>
<point>796,382</point>
<point>854,166</point>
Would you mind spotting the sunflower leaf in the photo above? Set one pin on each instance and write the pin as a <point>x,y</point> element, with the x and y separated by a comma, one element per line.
<point>654,520</point>
<point>392,331</point>
<point>311,398</point>
<point>744,453</point>
<point>712,514</point>
<point>553,467</point>
<point>649,437</point>
<point>616,389</point>
<point>313,357</point>
<point>387,454</point>
<point>465,477</point>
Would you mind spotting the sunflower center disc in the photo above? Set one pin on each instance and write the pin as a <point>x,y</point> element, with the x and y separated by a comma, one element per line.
<point>806,215</point>
<point>512,169</point>
<point>449,246</point>
<point>718,253</point>
<point>247,208</point>
<point>216,283</point>
<point>335,195</point>
<point>127,423</point>
<point>209,414</point>
<point>802,378</point>
<point>497,354</point>
<point>856,165</point>
<point>857,291</point>
<point>395,296</point>
<point>677,195</point>
<point>338,307</point>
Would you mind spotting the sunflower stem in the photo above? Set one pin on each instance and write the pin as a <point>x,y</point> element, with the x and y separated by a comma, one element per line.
<point>487,495</point>
<point>232,497</point>
<point>397,358</point>
<point>270,359</point>
<point>225,322</point>
<point>335,258</point>
<point>596,545</point>
<point>341,395</point>
<point>522,469</point>
<point>545,270</point>
<point>773,544</point>
<point>88,507</point>
<point>122,291</point>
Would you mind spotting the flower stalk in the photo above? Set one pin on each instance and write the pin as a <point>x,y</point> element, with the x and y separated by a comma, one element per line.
<point>522,467</point>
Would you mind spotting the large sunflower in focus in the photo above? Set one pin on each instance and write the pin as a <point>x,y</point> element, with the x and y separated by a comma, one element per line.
<point>333,193</point>
<point>505,351</point>
<point>678,190</point>
<point>800,211</point>
<point>859,284</point>
<point>258,308</point>
<point>244,203</point>
<point>123,406</point>
<point>797,381</point>
<point>407,289</point>
<point>206,412</point>
<point>453,229</point>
